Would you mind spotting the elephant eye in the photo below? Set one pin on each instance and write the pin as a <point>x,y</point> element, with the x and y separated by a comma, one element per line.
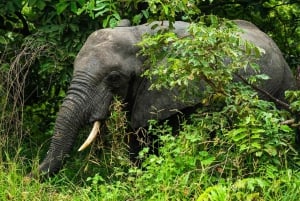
<point>114,76</point>
<point>114,79</point>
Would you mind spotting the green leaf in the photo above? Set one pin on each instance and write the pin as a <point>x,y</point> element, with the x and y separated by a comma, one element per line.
<point>40,4</point>
<point>137,19</point>
<point>254,66</point>
<point>263,77</point>
<point>101,7</point>
<point>203,153</point>
<point>258,130</point>
<point>166,9</point>
<point>32,2</point>
<point>106,21</point>
<point>243,147</point>
<point>61,7</point>
<point>3,40</point>
<point>74,8</point>
<point>270,150</point>
<point>81,2</point>
<point>208,161</point>
<point>145,13</point>
<point>74,27</point>
<point>238,134</point>
<point>285,128</point>
<point>256,145</point>
<point>258,153</point>
<point>248,48</point>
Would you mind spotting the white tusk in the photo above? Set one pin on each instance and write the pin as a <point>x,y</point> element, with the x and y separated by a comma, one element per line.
<point>92,136</point>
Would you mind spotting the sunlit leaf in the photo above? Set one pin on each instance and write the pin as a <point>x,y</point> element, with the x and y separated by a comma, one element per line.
<point>61,7</point>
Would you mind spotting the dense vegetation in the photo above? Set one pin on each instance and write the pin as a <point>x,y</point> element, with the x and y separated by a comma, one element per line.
<point>252,156</point>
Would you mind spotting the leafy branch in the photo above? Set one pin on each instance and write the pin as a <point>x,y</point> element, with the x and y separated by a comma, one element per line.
<point>265,93</point>
<point>211,52</point>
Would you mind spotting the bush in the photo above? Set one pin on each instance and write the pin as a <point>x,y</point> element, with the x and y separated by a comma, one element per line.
<point>239,152</point>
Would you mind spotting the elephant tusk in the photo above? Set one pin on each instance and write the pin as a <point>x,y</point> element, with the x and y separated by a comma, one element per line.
<point>92,136</point>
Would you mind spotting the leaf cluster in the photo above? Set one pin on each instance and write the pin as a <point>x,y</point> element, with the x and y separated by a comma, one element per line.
<point>278,18</point>
<point>236,152</point>
<point>208,56</point>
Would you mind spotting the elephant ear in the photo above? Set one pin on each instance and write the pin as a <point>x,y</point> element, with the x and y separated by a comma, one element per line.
<point>153,104</point>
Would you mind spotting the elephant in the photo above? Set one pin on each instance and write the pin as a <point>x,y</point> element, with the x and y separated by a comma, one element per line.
<point>108,65</point>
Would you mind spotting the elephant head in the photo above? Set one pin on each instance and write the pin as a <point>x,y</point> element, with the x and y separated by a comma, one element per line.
<point>108,66</point>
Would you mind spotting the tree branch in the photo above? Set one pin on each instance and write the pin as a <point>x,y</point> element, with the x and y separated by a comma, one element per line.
<point>25,31</point>
<point>264,92</point>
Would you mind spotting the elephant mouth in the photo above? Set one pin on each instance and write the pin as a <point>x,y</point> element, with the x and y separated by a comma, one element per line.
<point>92,136</point>
<point>97,115</point>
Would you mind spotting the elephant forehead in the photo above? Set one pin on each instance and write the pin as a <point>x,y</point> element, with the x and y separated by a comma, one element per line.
<point>119,36</point>
<point>102,62</point>
<point>108,49</point>
<point>93,58</point>
<point>108,43</point>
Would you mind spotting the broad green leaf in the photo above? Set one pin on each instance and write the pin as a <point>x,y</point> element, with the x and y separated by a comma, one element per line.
<point>166,9</point>
<point>40,4</point>
<point>74,8</point>
<point>263,77</point>
<point>61,7</point>
<point>258,130</point>
<point>270,150</point>
<point>256,145</point>
<point>285,128</point>
<point>208,161</point>
<point>101,7</point>
<point>258,153</point>
<point>3,40</point>
<point>238,134</point>
<point>243,147</point>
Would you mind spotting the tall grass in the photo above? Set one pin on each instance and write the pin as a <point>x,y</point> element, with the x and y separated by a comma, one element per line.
<point>13,80</point>
<point>14,186</point>
<point>14,165</point>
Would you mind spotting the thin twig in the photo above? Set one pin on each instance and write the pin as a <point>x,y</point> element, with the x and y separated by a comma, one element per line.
<point>288,122</point>
<point>264,92</point>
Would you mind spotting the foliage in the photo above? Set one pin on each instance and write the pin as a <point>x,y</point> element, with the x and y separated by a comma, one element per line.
<point>198,57</point>
<point>278,18</point>
<point>14,186</point>
<point>168,10</point>
<point>113,144</point>
<point>234,148</point>
<point>285,23</point>
<point>213,159</point>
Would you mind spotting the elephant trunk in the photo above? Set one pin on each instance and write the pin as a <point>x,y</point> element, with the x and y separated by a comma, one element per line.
<point>84,104</point>
<point>73,114</point>
<point>67,126</point>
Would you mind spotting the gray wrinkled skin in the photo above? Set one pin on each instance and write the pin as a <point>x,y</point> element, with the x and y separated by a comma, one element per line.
<point>107,65</point>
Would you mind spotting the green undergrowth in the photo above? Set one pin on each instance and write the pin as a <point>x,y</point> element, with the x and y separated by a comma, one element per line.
<point>232,152</point>
<point>239,152</point>
<point>208,159</point>
<point>14,185</point>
